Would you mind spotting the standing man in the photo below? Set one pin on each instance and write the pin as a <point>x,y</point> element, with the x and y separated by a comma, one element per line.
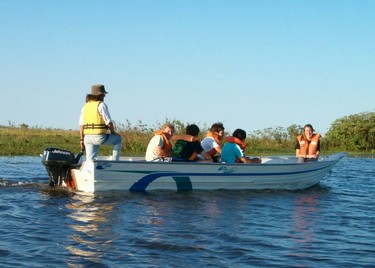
<point>95,123</point>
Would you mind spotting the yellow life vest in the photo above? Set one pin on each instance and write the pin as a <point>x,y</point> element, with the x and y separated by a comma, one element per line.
<point>93,121</point>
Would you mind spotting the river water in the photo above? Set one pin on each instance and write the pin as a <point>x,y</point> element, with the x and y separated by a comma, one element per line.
<point>329,225</point>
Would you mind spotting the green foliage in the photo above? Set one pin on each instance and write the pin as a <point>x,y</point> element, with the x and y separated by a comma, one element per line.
<point>353,133</point>
<point>274,139</point>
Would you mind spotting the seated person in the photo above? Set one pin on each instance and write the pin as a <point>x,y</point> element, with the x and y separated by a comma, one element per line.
<point>211,143</point>
<point>187,151</point>
<point>159,147</point>
<point>234,148</point>
<point>308,145</point>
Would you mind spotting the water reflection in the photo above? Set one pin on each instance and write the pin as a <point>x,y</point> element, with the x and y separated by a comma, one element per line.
<point>90,239</point>
<point>304,215</point>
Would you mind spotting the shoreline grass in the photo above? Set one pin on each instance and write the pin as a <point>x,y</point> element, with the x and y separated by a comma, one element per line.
<point>20,141</point>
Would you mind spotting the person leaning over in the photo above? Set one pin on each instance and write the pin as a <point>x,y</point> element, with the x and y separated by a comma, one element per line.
<point>94,124</point>
<point>211,143</point>
<point>308,144</point>
<point>187,151</point>
<point>234,149</point>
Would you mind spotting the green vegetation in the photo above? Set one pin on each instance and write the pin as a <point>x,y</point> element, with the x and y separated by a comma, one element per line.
<point>354,134</point>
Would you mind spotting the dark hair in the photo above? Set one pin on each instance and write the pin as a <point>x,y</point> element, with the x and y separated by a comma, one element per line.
<point>192,130</point>
<point>310,126</point>
<point>217,127</point>
<point>90,97</point>
<point>239,133</point>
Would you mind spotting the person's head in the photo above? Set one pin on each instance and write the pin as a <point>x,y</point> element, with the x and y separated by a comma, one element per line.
<point>98,91</point>
<point>218,128</point>
<point>240,134</point>
<point>192,130</point>
<point>308,131</point>
<point>168,130</point>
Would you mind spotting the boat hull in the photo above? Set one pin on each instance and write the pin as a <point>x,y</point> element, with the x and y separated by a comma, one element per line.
<point>273,173</point>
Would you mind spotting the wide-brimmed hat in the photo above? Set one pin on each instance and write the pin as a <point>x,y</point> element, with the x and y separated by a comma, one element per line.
<point>98,90</point>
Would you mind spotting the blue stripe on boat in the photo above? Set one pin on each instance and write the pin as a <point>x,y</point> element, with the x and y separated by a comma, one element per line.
<point>183,181</point>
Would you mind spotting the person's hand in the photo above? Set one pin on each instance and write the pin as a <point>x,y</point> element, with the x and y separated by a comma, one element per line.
<point>82,145</point>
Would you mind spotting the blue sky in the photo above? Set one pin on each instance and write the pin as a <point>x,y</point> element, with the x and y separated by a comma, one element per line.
<point>249,64</point>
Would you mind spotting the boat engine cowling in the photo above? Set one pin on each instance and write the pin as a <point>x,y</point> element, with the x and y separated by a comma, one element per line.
<point>58,163</point>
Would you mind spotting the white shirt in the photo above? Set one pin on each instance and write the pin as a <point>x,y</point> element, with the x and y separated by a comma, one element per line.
<point>208,144</point>
<point>151,152</point>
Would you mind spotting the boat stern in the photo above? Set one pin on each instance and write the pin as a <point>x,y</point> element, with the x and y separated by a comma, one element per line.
<point>84,177</point>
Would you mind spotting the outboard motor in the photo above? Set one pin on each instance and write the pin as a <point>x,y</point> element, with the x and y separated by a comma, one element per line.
<point>58,163</point>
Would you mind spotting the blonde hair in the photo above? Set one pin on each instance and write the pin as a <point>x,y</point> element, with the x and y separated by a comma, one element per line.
<point>170,125</point>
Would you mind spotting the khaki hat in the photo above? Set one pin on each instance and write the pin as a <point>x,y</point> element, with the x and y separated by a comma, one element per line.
<point>98,90</point>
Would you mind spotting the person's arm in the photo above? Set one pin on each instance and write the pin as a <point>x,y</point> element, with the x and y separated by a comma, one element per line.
<point>111,128</point>
<point>297,148</point>
<point>185,137</point>
<point>104,112</point>
<point>206,156</point>
<point>81,131</point>
<point>162,153</point>
<point>245,160</point>
<point>218,149</point>
<point>81,137</point>
<point>316,155</point>
<point>160,150</point>
<point>241,155</point>
<point>298,154</point>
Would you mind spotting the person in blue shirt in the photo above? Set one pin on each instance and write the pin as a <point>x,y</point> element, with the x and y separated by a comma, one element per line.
<point>234,149</point>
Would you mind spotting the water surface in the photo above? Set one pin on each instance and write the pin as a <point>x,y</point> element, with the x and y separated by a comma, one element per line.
<point>329,225</point>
